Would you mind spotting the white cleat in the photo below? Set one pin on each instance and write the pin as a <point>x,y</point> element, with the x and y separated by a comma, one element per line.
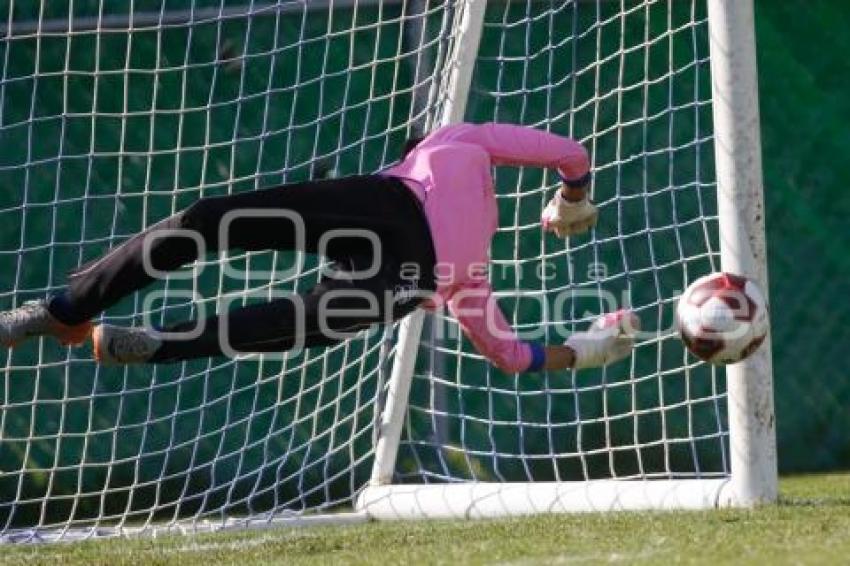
<point>609,339</point>
<point>117,345</point>
<point>32,319</point>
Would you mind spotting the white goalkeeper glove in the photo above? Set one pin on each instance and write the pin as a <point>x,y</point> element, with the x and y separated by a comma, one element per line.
<point>566,218</point>
<point>609,339</point>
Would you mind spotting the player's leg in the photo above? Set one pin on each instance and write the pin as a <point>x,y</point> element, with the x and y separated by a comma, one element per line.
<point>284,218</point>
<point>348,303</point>
<point>100,283</point>
<point>333,311</point>
<point>256,221</point>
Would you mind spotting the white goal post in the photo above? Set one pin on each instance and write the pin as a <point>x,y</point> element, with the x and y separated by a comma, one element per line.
<point>115,115</point>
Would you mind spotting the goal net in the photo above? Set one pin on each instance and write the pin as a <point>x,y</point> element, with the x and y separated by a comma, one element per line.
<point>113,117</point>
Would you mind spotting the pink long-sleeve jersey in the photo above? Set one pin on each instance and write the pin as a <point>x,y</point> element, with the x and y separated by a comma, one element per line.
<point>450,172</point>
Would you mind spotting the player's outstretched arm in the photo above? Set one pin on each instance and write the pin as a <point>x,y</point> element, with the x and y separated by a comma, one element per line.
<point>609,339</point>
<point>570,212</point>
<point>510,144</point>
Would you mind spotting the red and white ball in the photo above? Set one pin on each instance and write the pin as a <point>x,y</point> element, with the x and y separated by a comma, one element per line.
<point>722,318</point>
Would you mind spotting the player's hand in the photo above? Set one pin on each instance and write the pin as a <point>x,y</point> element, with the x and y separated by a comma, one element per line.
<point>566,218</point>
<point>610,338</point>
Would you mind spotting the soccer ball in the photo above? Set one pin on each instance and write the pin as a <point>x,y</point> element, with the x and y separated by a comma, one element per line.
<point>722,318</point>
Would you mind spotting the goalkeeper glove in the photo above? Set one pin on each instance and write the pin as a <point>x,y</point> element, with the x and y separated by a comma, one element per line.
<point>566,218</point>
<point>609,339</point>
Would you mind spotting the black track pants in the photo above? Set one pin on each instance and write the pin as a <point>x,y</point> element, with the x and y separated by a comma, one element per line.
<point>372,204</point>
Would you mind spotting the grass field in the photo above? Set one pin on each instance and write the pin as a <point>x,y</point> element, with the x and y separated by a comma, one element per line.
<point>811,525</point>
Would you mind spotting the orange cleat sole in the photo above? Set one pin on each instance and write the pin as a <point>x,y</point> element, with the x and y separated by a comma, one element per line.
<point>71,335</point>
<point>95,341</point>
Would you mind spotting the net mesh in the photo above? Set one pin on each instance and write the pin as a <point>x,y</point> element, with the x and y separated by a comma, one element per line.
<point>113,117</point>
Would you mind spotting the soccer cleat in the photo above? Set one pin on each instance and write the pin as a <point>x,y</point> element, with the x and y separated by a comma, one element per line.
<point>115,345</point>
<point>609,339</point>
<point>32,319</point>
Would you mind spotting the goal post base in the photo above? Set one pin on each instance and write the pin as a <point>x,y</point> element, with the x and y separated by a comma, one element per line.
<point>263,521</point>
<point>492,500</point>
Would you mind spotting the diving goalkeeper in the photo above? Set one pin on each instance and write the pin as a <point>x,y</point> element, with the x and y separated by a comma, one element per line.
<point>433,215</point>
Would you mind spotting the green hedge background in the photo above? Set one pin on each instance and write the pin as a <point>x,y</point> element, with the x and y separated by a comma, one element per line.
<point>803,82</point>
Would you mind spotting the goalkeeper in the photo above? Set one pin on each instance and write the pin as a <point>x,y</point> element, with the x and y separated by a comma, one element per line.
<point>433,215</point>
